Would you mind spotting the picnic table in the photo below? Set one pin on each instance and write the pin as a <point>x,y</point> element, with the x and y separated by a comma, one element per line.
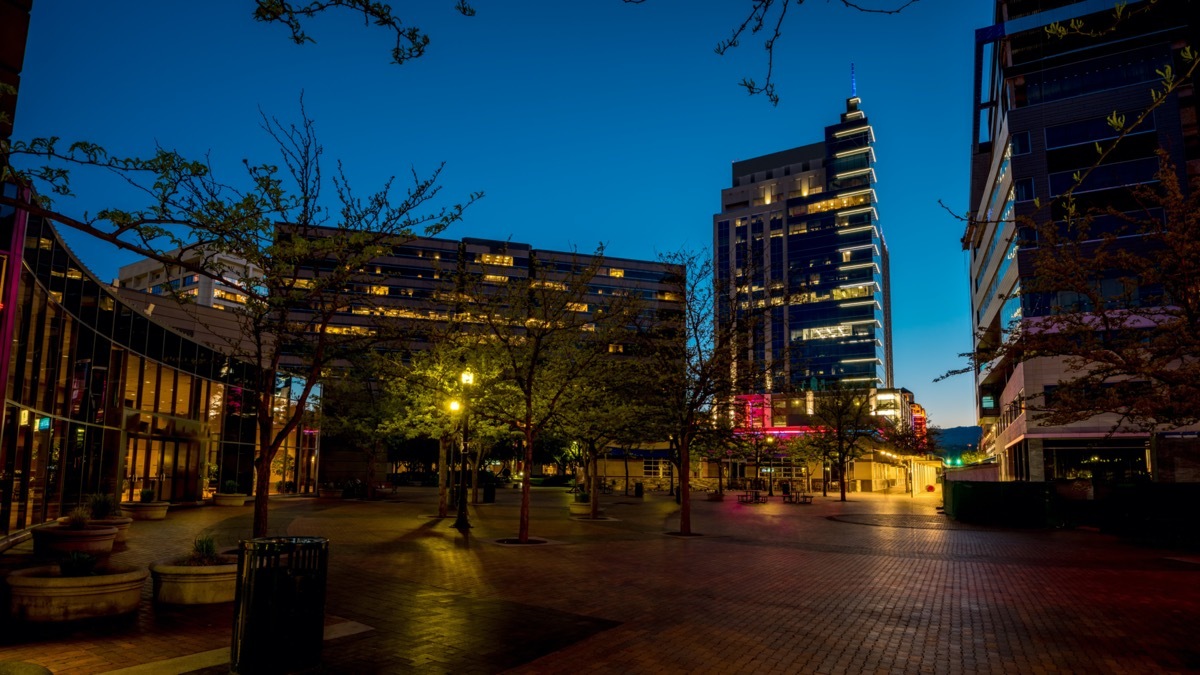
<point>752,497</point>
<point>797,498</point>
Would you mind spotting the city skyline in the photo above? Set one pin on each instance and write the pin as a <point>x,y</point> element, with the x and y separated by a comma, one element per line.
<point>610,123</point>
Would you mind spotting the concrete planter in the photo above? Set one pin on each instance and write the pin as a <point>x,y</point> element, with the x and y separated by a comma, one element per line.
<point>176,584</point>
<point>146,510</point>
<point>57,539</point>
<point>716,496</point>
<point>41,594</point>
<point>329,493</point>
<point>120,522</point>
<point>229,499</point>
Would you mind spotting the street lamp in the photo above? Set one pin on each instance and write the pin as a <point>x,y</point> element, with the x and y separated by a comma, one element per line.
<point>461,521</point>
<point>771,468</point>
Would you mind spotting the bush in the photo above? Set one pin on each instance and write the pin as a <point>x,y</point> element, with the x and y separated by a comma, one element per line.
<point>204,552</point>
<point>231,487</point>
<point>77,565</point>
<point>146,495</point>
<point>78,518</point>
<point>104,506</point>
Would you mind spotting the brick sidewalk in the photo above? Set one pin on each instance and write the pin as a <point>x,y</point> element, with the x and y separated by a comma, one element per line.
<point>877,584</point>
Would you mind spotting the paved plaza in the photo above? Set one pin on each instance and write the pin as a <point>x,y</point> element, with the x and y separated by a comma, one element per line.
<point>879,584</point>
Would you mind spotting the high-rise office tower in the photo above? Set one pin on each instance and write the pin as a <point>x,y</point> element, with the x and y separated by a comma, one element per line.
<point>1041,108</point>
<point>801,260</point>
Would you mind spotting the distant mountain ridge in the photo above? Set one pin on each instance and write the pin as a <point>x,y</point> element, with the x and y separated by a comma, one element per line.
<point>958,438</point>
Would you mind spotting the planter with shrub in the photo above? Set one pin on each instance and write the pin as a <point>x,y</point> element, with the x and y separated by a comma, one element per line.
<point>74,535</point>
<point>202,577</point>
<point>231,496</point>
<point>147,508</point>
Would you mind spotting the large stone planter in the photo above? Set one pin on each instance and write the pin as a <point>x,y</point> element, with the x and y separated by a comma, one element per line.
<point>329,493</point>
<point>229,499</point>
<point>145,510</point>
<point>122,524</point>
<point>41,594</point>
<point>95,540</point>
<point>176,584</point>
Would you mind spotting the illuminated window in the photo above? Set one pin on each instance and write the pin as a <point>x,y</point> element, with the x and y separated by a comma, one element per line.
<point>554,285</point>
<point>824,332</point>
<point>220,294</point>
<point>496,278</point>
<point>616,349</point>
<point>496,259</point>
<point>577,306</point>
<point>377,290</point>
<point>615,272</point>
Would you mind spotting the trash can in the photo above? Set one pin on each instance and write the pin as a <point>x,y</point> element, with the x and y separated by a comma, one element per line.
<point>786,487</point>
<point>489,493</point>
<point>638,490</point>
<point>279,604</point>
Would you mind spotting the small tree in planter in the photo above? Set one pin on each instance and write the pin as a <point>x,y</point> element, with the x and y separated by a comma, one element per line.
<point>230,495</point>
<point>201,577</point>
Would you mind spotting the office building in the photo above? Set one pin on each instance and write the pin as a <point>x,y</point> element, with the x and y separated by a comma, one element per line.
<point>155,278</point>
<point>102,398</point>
<point>801,259</point>
<point>1041,106</point>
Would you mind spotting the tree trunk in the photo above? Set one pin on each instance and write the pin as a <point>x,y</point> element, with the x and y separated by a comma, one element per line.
<point>443,475</point>
<point>262,464</point>
<point>720,477</point>
<point>626,473</point>
<point>371,456</point>
<point>593,488</point>
<point>685,493</point>
<point>523,530</point>
<point>842,476</point>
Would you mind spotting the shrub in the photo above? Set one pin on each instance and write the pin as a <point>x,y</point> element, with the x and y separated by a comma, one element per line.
<point>147,495</point>
<point>77,519</point>
<point>104,506</point>
<point>77,565</point>
<point>204,552</point>
<point>231,487</point>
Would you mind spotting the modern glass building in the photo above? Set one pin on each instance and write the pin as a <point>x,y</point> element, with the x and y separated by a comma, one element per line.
<point>801,259</point>
<point>101,398</point>
<point>1040,109</point>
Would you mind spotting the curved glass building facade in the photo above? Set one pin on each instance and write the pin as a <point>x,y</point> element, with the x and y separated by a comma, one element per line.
<point>101,398</point>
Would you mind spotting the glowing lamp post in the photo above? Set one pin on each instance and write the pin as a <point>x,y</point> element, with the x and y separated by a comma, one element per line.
<point>461,521</point>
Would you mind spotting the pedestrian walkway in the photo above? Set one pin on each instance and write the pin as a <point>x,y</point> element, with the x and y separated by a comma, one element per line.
<point>881,583</point>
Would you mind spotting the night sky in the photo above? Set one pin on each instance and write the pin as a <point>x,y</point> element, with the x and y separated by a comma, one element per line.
<point>582,122</point>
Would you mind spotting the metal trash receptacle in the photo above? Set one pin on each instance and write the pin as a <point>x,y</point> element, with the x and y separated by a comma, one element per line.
<point>638,490</point>
<point>279,604</point>
<point>489,493</point>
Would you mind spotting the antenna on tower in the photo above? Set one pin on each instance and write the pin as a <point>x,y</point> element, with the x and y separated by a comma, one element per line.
<point>853,83</point>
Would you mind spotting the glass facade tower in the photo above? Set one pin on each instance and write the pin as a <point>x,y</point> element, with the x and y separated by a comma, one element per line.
<point>801,260</point>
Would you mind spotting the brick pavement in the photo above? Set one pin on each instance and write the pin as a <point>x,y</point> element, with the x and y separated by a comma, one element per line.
<point>877,584</point>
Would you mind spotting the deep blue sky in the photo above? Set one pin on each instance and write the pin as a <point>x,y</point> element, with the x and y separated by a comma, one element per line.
<point>583,122</point>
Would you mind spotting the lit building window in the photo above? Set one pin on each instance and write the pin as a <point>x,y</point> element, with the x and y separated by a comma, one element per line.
<point>377,290</point>
<point>496,259</point>
<point>496,278</point>
<point>615,272</point>
<point>577,306</point>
